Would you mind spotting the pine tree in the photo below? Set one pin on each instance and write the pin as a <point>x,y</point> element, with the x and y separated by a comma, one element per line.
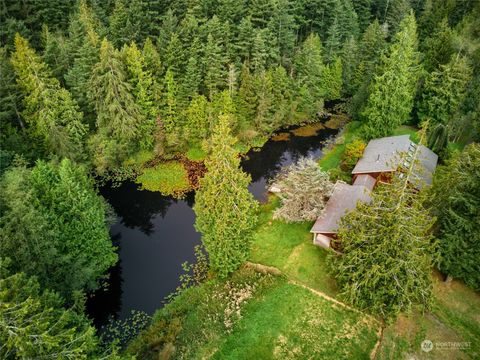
<point>119,118</point>
<point>197,120</point>
<point>192,79</point>
<point>54,225</point>
<point>246,97</point>
<point>152,59</point>
<point>332,79</point>
<point>333,43</point>
<point>214,64</point>
<point>55,53</point>
<point>363,10</point>
<point>170,117</point>
<point>173,55</point>
<point>309,75</point>
<point>144,86</point>
<point>49,109</point>
<point>444,91</point>
<point>349,57</point>
<point>243,42</point>
<point>259,52</point>
<point>43,328</point>
<point>265,106</point>
<point>393,89</point>
<point>455,201</point>
<point>226,211</point>
<point>84,48</point>
<point>438,48</point>
<point>387,251</point>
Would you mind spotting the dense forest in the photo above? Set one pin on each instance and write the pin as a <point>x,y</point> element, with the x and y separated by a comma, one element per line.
<point>93,90</point>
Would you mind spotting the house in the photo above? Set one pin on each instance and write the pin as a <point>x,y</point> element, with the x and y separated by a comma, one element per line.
<point>381,158</point>
<point>344,198</point>
<point>384,156</point>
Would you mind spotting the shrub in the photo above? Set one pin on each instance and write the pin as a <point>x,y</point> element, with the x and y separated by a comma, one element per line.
<point>353,152</point>
<point>305,189</point>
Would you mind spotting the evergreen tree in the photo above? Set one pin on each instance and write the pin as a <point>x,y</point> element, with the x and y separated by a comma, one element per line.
<point>55,53</point>
<point>259,52</point>
<point>143,85</point>
<point>393,89</point>
<point>387,251</point>
<point>54,225</point>
<point>34,324</point>
<point>119,118</point>
<point>244,38</point>
<point>225,209</point>
<point>332,79</point>
<point>444,91</point>
<point>214,64</point>
<point>192,79</point>
<point>84,48</point>
<point>438,48</point>
<point>246,98</point>
<point>170,117</point>
<point>265,106</point>
<point>49,109</point>
<point>152,59</point>
<point>349,57</point>
<point>173,55</point>
<point>197,120</point>
<point>455,201</point>
<point>363,10</point>
<point>129,21</point>
<point>309,75</point>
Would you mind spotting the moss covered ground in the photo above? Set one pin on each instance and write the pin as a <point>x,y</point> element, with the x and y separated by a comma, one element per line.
<point>169,178</point>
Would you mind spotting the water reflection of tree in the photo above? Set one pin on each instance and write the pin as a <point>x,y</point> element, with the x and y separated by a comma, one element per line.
<point>137,208</point>
<point>106,302</point>
<point>275,154</point>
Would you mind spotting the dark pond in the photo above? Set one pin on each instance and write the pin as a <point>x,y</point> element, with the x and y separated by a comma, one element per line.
<point>155,234</point>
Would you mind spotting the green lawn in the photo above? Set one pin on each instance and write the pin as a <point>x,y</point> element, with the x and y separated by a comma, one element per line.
<point>289,247</point>
<point>333,157</point>
<point>455,318</point>
<point>196,154</point>
<point>255,316</point>
<point>169,178</point>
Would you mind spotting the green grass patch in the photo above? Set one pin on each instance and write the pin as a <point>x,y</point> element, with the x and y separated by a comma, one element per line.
<point>255,316</point>
<point>332,158</point>
<point>454,318</point>
<point>169,178</point>
<point>407,130</point>
<point>290,322</point>
<point>140,158</point>
<point>289,247</point>
<point>196,154</point>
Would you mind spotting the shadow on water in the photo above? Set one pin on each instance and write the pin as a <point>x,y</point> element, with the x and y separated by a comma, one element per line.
<point>155,234</point>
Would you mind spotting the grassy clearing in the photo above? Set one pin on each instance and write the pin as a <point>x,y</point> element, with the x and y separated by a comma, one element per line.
<point>455,318</point>
<point>196,154</point>
<point>140,158</point>
<point>407,130</point>
<point>254,316</point>
<point>169,178</point>
<point>289,248</point>
<point>333,157</point>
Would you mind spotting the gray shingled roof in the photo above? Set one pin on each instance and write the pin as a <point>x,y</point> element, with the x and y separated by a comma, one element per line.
<point>382,154</point>
<point>385,154</point>
<point>343,199</point>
